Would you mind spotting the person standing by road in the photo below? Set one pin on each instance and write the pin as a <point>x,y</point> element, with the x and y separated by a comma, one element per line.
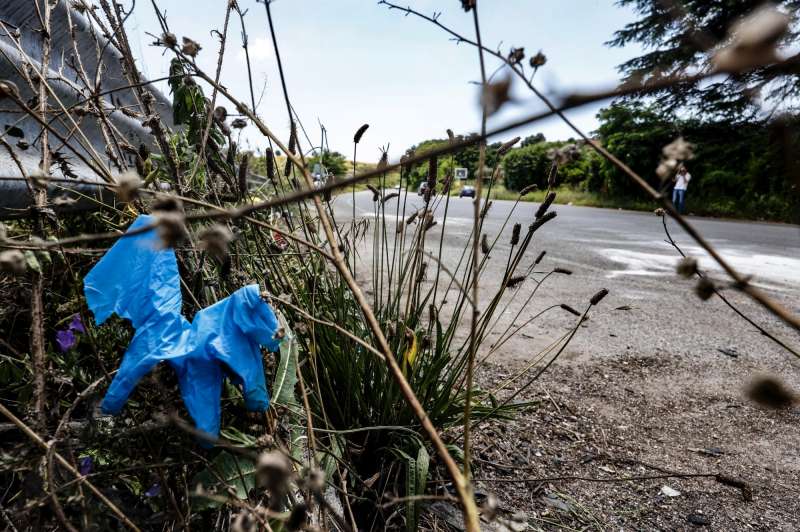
<point>681,179</point>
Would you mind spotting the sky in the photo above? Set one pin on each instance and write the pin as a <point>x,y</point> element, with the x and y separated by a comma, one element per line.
<point>350,62</point>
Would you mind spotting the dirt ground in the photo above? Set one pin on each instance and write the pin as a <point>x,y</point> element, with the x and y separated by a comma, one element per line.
<point>634,416</point>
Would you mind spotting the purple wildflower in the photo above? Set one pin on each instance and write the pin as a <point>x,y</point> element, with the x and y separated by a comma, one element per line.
<point>153,491</point>
<point>85,465</point>
<point>76,324</point>
<point>66,340</point>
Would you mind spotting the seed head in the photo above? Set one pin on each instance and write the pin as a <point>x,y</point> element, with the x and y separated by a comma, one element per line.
<point>169,40</point>
<point>270,165</point>
<point>705,288</point>
<point>659,212</point>
<point>387,197</point>
<point>215,240</point>
<point>687,267</point>
<point>272,471</point>
<point>451,136</point>
<point>570,309</point>
<point>495,95</point>
<point>384,161</point>
<point>753,40</point>
<point>514,281</point>
<point>220,114</point>
<point>538,60</point>
<point>502,150</point>
<point>485,244</point>
<point>545,205</point>
<point>515,234</point>
<point>190,47</point>
<point>128,185</point>
<point>540,257</point>
<point>239,123</point>
<point>527,190</point>
<point>13,261</point>
<point>771,393</point>
<point>171,227</point>
<point>467,5</point>
<point>562,271</point>
<point>679,150</point>
<point>516,55</point>
<point>360,133</point>
<point>598,297</point>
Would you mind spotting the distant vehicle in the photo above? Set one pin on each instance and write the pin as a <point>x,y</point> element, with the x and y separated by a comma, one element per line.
<point>423,187</point>
<point>467,191</point>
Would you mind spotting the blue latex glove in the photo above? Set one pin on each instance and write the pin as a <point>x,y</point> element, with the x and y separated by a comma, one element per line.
<point>138,280</point>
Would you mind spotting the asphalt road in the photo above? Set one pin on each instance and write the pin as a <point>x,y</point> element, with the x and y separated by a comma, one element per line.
<point>625,252</point>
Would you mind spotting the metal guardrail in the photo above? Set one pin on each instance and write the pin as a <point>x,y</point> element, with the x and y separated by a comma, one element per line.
<point>22,132</point>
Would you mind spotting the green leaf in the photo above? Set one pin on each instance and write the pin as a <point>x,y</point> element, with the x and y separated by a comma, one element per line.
<point>286,374</point>
<point>32,262</point>
<point>225,470</point>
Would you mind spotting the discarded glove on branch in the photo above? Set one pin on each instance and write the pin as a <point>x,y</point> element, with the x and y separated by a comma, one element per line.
<point>138,279</point>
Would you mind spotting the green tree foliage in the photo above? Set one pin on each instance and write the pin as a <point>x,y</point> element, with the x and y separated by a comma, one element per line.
<point>749,169</point>
<point>530,164</point>
<point>680,44</point>
<point>333,161</point>
<point>467,158</point>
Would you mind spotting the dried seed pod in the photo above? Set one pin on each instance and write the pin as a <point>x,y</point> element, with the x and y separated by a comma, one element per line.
<point>315,479</point>
<point>468,5</point>
<point>171,227</point>
<point>679,150</point>
<point>190,47</point>
<point>287,169</point>
<point>411,218</point>
<point>495,95</point>
<point>239,123</point>
<point>128,185</point>
<point>598,297</point>
<point>687,267</point>
<point>771,393</point>
<point>548,200</point>
<point>485,244</point>
<point>13,261</point>
<point>527,190</point>
<point>516,55</point>
<point>168,204</point>
<point>562,271</point>
<point>538,60</point>
<point>540,257</point>
<point>215,240</point>
<point>360,133</point>
<point>705,288</point>
<point>273,470</point>
<point>514,281</point>
<point>660,212</point>
<point>515,234</point>
<point>570,309</point>
<point>168,39</point>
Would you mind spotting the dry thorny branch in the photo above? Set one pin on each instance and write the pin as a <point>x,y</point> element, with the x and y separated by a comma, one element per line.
<point>302,459</point>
